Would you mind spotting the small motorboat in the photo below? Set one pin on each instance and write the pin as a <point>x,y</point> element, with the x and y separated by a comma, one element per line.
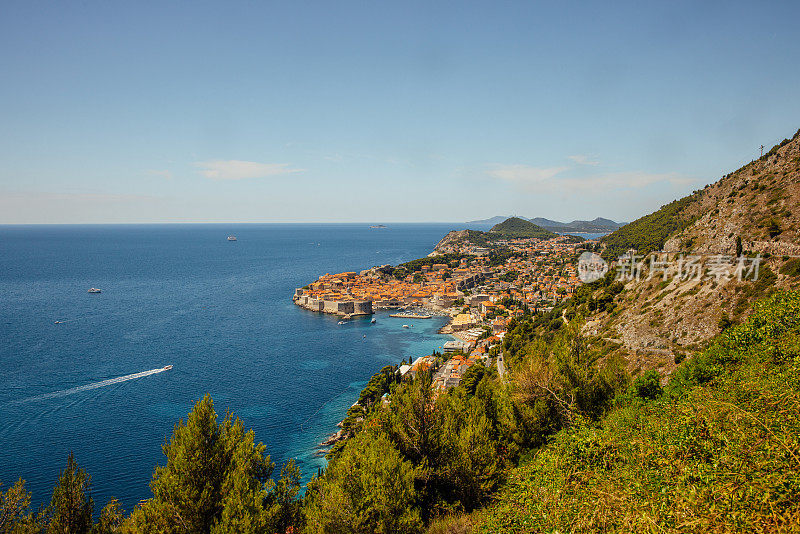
<point>405,326</point>
<point>167,367</point>
<point>342,322</point>
<point>372,321</point>
<point>59,322</point>
<point>94,290</point>
<point>231,238</point>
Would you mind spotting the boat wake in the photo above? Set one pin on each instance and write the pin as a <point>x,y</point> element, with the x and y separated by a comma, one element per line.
<point>94,385</point>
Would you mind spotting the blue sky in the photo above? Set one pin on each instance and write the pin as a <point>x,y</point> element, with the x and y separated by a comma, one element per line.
<point>382,111</point>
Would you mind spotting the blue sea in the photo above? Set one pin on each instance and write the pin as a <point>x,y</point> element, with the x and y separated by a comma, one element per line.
<point>220,312</point>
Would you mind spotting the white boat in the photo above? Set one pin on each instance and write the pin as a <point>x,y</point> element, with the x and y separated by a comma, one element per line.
<point>167,367</point>
<point>94,290</point>
<point>342,322</point>
<point>405,326</point>
<point>231,238</point>
<point>373,321</point>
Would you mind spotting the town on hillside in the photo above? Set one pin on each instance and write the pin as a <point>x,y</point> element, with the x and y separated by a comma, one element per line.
<point>480,287</point>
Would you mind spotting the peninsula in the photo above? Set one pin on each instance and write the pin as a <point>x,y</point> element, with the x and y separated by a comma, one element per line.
<point>516,261</point>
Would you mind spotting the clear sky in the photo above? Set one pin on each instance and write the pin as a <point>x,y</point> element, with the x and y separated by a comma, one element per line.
<point>237,111</point>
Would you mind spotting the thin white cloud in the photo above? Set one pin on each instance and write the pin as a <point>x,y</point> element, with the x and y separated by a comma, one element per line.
<point>551,179</point>
<point>582,159</point>
<point>628,180</point>
<point>165,174</point>
<point>241,170</point>
<point>524,174</point>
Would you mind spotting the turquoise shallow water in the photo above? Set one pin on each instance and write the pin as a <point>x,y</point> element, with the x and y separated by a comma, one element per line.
<point>219,311</point>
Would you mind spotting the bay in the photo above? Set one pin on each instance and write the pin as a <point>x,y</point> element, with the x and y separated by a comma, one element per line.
<point>219,311</point>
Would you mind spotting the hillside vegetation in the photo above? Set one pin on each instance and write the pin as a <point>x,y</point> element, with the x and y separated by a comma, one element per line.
<point>520,228</point>
<point>657,321</point>
<point>756,203</point>
<point>650,232</point>
<point>717,450</point>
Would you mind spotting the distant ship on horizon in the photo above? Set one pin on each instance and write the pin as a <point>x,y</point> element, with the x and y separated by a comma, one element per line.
<point>378,226</point>
<point>231,238</point>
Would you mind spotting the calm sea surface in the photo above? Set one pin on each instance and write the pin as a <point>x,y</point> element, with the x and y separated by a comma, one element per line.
<point>219,311</point>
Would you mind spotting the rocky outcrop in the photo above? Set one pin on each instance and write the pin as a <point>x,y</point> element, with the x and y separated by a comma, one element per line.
<point>452,238</point>
<point>656,321</point>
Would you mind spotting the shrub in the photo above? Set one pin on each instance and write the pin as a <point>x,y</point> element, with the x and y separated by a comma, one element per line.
<point>647,386</point>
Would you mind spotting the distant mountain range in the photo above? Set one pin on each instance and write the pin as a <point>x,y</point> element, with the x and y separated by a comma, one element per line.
<point>597,225</point>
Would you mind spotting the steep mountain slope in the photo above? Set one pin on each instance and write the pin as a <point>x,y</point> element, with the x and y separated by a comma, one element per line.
<point>757,203</point>
<point>760,203</point>
<point>716,450</point>
<point>657,319</point>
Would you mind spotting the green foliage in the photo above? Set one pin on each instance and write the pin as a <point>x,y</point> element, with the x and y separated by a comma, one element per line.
<point>71,506</point>
<point>14,503</point>
<point>650,232</point>
<point>283,502</point>
<point>751,290</point>
<point>379,384</point>
<point>721,456</point>
<point>515,227</point>
<point>774,149</point>
<point>111,519</point>
<point>510,276</point>
<point>564,375</point>
<point>216,479</point>
<point>773,228</point>
<point>500,255</point>
<point>368,489</point>
<point>725,322</point>
<point>473,376</point>
<point>457,443</point>
<point>647,386</point>
<point>402,270</point>
<point>791,268</point>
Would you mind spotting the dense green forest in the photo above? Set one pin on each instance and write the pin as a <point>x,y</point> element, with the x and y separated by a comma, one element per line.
<point>650,232</point>
<point>566,443</point>
<point>520,228</point>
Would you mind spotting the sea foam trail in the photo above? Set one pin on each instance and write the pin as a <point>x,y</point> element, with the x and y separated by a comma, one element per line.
<point>94,385</point>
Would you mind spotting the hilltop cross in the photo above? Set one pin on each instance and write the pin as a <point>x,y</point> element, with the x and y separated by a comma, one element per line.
<point>762,151</point>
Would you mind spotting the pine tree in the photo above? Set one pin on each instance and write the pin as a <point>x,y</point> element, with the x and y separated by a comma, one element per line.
<point>111,518</point>
<point>71,506</point>
<point>283,503</point>
<point>216,479</point>
<point>14,504</point>
<point>368,489</point>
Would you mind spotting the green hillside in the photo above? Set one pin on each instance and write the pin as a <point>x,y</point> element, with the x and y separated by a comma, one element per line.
<point>520,228</point>
<point>716,450</point>
<point>650,232</point>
